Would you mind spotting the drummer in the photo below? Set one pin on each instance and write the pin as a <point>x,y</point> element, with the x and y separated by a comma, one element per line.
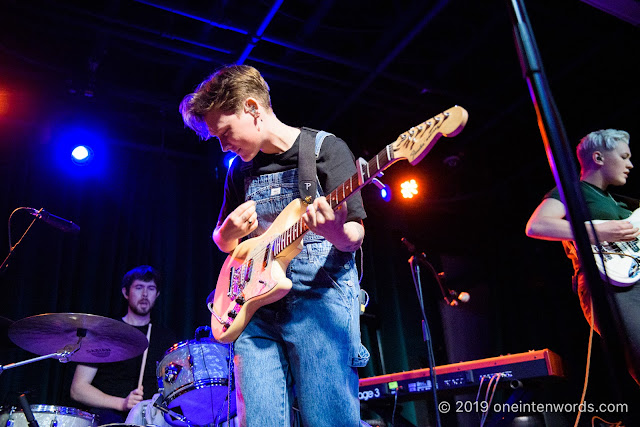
<point>110,390</point>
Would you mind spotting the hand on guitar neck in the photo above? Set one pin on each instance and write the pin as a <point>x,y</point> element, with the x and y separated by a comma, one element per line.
<point>323,220</point>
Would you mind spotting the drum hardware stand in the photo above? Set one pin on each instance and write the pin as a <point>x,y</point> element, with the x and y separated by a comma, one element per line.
<point>63,355</point>
<point>26,408</point>
<point>159,403</point>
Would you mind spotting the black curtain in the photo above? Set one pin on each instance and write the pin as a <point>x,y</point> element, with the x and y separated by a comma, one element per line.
<point>143,207</point>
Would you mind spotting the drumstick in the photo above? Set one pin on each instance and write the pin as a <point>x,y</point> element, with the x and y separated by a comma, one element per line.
<point>144,357</point>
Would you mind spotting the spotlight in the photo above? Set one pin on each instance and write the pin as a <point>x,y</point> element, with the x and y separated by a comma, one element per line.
<point>385,191</point>
<point>80,149</point>
<point>82,154</point>
<point>228,159</point>
<point>409,189</point>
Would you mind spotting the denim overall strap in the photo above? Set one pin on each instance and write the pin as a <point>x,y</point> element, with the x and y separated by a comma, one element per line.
<point>319,316</point>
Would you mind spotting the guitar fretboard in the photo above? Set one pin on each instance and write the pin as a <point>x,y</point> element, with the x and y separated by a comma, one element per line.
<point>368,171</point>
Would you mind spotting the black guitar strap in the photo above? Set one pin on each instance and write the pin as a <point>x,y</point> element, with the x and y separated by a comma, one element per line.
<point>307,165</point>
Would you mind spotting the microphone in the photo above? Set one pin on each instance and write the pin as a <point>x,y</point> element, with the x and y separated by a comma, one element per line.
<point>451,297</point>
<point>55,221</point>
<point>412,248</point>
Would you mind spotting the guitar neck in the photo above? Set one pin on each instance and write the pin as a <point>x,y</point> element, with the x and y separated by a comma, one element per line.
<point>411,145</point>
<point>368,171</point>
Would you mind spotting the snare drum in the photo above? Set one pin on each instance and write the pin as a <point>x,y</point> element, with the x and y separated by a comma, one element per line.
<point>195,377</point>
<point>49,416</point>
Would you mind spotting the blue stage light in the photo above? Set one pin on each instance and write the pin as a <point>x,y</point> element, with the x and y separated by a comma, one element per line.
<point>228,159</point>
<point>385,193</point>
<point>82,154</point>
<point>80,149</point>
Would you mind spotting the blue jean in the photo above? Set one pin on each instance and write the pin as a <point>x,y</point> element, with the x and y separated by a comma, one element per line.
<point>309,341</point>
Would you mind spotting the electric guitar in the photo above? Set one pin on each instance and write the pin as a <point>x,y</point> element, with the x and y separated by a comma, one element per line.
<point>254,274</point>
<point>621,259</point>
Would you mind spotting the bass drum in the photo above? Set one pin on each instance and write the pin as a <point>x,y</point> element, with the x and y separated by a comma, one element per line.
<point>49,416</point>
<point>196,382</point>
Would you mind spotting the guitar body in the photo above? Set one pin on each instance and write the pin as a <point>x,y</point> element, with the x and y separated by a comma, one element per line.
<point>252,272</point>
<point>621,259</point>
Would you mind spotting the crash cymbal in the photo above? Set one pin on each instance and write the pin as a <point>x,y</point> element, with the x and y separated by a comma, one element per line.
<point>104,339</point>
<point>5,342</point>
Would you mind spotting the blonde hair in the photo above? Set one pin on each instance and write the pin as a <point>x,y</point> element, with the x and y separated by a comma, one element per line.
<point>224,91</point>
<point>600,140</point>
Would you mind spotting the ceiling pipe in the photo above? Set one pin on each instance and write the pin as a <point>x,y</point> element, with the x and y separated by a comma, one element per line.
<point>385,62</point>
<point>256,38</point>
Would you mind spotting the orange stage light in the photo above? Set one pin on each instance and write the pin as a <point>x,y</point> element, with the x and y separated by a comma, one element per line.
<point>4,101</point>
<point>409,189</point>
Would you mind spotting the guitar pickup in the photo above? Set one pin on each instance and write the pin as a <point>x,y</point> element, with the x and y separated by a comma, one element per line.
<point>248,271</point>
<point>231,274</point>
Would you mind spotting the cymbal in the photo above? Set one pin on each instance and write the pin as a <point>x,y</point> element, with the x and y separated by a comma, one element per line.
<point>5,342</point>
<point>104,340</point>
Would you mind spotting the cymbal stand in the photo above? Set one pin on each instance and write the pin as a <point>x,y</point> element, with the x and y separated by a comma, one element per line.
<point>63,355</point>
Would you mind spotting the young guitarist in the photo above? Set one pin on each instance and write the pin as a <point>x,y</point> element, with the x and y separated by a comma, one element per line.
<point>310,339</point>
<point>605,161</point>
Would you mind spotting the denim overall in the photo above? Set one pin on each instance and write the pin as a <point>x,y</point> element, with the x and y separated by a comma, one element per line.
<point>309,339</point>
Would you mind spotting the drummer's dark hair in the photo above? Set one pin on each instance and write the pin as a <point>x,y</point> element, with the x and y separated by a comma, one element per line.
<point>145,273</point>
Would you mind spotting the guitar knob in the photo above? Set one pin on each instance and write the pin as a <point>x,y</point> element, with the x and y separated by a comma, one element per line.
<point>232,314</point>
<point>240,300</point>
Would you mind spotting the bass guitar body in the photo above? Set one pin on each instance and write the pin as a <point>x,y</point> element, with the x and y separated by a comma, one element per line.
<point>621,265</point>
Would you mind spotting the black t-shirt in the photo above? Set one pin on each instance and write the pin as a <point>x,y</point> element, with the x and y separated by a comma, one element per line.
<point>120,378</point>
<point>335,164</point>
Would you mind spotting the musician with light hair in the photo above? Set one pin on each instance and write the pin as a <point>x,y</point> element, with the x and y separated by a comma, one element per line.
<point>304,347</point>
<point>605,161</point>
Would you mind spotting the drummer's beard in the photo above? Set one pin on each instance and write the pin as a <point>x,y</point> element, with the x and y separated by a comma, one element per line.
<point>141,310</point>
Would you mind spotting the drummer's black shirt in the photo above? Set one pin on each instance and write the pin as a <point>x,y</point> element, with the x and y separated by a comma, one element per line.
<point>120,378</point>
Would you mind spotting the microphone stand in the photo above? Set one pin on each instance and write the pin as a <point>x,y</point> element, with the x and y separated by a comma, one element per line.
<point>5,263</point>
<point>563,168</point>
<point>426,333</point>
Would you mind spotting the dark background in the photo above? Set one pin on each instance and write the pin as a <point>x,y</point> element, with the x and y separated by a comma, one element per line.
<point>366,71</point>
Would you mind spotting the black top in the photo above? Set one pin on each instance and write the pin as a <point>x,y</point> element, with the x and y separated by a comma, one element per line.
<point>120,378</point>
<point>335,165</point>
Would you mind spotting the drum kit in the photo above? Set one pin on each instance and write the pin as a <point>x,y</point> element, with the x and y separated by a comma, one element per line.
<point>195,385</point>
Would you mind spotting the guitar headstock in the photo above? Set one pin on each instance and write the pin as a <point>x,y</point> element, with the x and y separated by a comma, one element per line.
<point>415,143</point>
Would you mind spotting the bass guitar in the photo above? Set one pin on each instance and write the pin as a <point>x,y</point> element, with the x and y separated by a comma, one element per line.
<point>621,259</point>
<point>254,274</point>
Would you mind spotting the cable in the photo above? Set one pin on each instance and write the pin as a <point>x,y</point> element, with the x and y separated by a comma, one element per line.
<point>361,264</point>
<point>395,405</point>
<point>485,414</point>
<point>588,366</point>
<point>611,424</point>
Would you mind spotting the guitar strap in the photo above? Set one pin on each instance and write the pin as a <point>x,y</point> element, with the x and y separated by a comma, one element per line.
<point>631,204</point>
<point>307,176</point>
